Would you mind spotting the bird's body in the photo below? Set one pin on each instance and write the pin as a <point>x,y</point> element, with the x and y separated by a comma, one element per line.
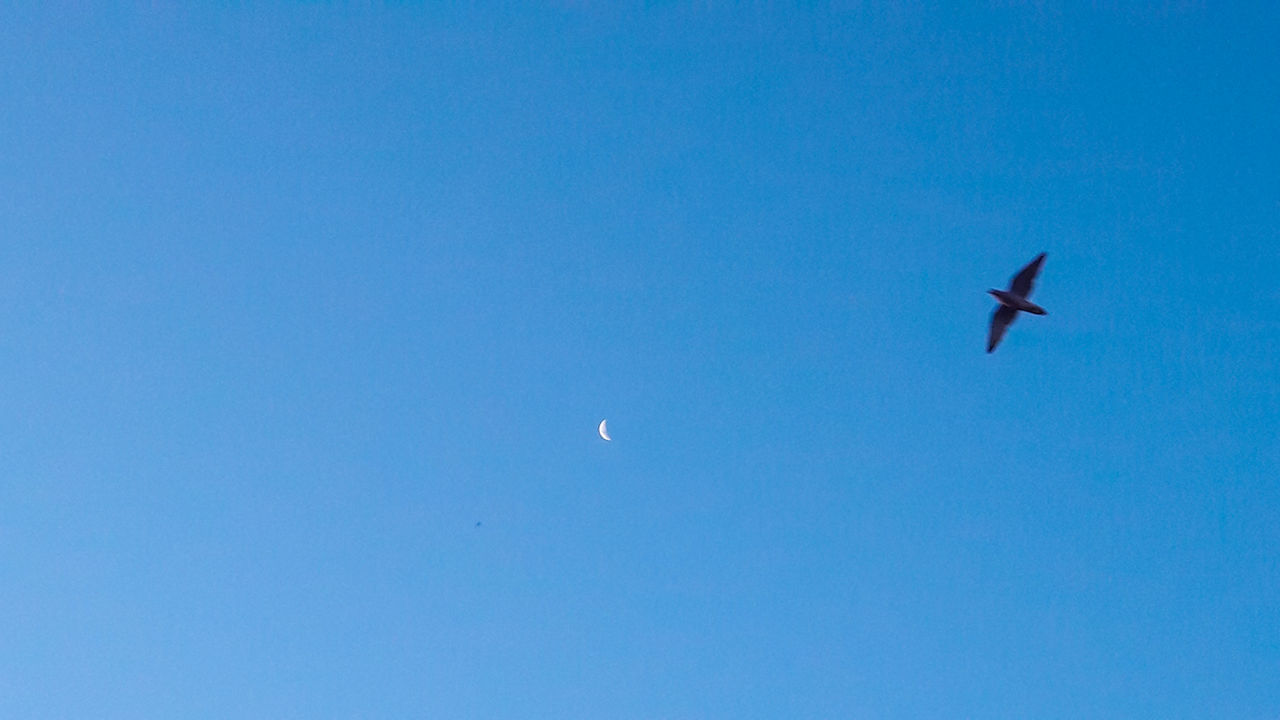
<point>1010,300</point>
<point>1013,301</point>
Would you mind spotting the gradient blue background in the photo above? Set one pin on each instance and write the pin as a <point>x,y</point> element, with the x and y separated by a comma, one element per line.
<point>292,297</point>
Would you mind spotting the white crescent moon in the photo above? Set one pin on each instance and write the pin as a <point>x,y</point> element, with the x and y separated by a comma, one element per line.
<point>604,431</point>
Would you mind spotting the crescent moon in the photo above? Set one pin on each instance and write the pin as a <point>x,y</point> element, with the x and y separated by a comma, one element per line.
<point>604,431</point>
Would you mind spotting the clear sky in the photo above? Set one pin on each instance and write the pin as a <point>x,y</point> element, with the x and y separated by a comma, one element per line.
<point>292,297</point>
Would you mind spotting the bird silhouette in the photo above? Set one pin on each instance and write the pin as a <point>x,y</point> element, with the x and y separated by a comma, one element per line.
<point>1013,301</point>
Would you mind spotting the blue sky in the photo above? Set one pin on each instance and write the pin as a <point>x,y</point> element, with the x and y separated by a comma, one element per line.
<point>294,296</point>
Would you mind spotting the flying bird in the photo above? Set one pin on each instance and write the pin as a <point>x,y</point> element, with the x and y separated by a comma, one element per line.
<point>1013,301</point>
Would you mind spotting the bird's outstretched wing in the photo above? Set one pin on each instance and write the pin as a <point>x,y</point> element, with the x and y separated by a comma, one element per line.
<point>1001,319</point>
<point>1022,282</point>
